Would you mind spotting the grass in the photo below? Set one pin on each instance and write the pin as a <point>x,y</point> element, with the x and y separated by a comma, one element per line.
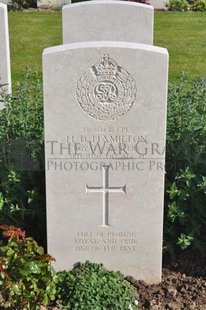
<point>183,34</point>
<point>30,33</point>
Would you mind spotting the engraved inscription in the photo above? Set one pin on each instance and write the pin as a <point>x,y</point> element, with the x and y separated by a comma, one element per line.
<point>105,190</point>
<point>106,91</point>
<point>124,242</point>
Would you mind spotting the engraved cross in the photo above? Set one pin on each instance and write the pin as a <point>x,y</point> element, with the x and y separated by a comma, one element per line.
<point>105,190</point>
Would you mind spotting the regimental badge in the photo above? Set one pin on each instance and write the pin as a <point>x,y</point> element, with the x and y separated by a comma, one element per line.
<point>106,91</point>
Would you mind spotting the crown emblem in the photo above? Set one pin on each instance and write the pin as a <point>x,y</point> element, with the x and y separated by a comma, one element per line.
<point>105,66</point>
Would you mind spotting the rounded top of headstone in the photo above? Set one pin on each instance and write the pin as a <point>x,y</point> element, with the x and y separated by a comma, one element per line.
<point>109,2</point>
<point>3,6</point>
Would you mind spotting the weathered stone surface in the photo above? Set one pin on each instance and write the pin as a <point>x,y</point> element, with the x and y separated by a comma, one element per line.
<point>5,73</point>
<point>107,21</point>
<point>105,123</point>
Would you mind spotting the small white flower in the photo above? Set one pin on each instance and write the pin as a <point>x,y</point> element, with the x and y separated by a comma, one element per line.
<point>136,304</point>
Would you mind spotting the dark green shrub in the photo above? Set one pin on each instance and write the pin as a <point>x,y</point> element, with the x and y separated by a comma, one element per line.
<point>185,210</point>
<point>178,5</point>
<point>91,286</point>
<point>140,1</point>
<point>16,5</point>
<point>27,279</point>
<point>22,185</point>
<point>199,5</point>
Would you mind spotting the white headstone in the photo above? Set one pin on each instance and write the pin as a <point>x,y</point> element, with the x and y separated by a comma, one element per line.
<point>105,123</point>
<point>5,73</point>
<point>107,21</point>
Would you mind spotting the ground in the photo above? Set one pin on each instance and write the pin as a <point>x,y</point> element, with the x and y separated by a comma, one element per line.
<point>183,286</point>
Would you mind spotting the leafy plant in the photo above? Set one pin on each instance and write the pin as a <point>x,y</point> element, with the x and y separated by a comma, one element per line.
<point>91,286</point>
<point>178,5</point>
<point>199,5</point>
<point>27,279</point>
<point>16,5</point>
<point>22,188</point>
<point>185,200</point>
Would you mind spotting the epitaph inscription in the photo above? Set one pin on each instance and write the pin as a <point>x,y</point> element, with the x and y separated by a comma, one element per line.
<point>106,241</point>
<point>105,190</point>
<point>106,91</point>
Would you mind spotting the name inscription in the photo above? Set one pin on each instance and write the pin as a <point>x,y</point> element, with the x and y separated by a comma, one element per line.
<point>96,147</point>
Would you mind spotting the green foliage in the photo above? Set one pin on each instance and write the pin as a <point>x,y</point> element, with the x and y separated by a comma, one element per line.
<point>185,213</point>
<point>178,5</point>
<point>27,279</point>
<point>16,5</point>
<point>91,286</point>
<point>22,188</point>
<point>199,5</point>
<point>185,5</point>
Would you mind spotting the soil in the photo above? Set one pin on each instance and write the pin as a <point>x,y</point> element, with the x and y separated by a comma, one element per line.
<point>183,286</point>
